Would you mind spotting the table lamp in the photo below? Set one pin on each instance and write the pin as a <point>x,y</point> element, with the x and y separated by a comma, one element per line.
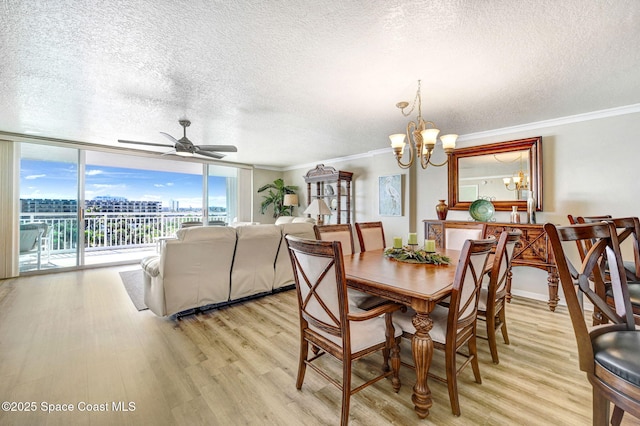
<point>290,200</point>
<point>318,208</point>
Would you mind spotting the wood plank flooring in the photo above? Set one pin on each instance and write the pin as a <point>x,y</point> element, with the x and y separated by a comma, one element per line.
<point>75,337</point>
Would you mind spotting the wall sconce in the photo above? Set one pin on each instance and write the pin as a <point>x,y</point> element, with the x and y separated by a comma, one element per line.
<point>425,135</point>
<point>318,208</point>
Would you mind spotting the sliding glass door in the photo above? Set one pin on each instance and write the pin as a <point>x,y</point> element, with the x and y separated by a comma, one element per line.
<point>84,207</point>
<point>131,202</point>
<point>49,227</point>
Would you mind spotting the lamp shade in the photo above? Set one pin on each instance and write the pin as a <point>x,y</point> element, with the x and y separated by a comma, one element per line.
<point>290,200</point>
<point>317,207</point>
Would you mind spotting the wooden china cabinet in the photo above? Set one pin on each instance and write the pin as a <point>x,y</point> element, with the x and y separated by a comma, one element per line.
<point>533,250</point>
<point>334,188</point>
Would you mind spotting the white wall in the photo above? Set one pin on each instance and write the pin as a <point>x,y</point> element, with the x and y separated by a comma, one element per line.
<point>589,168</point>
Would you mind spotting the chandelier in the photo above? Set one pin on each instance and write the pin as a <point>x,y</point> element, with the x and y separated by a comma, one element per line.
<point>519,180</point>
<point>425,135</point>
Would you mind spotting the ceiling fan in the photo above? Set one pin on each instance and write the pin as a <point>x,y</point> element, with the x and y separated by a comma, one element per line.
<point>185,148</point>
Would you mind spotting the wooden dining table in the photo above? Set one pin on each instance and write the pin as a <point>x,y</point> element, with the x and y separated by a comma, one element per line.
<point>419,286</point>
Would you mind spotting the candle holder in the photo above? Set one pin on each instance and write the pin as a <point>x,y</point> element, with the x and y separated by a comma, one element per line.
<point>412,247</point>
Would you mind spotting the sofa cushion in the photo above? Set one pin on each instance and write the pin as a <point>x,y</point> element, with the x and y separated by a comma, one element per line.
<point>204,233</point>
<point>304,220</point>
<point>253,268</point>
<point>284,219</point>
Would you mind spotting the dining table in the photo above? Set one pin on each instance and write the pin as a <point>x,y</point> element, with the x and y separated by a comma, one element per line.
<point>418,285</point>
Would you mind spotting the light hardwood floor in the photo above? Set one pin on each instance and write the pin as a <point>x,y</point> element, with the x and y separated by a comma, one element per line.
<point>76,338</point>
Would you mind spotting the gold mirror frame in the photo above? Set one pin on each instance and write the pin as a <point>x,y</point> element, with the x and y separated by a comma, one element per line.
<point>534,148</point>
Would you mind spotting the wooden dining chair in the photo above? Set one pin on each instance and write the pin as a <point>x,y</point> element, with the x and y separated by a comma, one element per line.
<point>330,324</point>
<point>343,233</point>
<point>340,232</point>
<point>455,326</point>
<point>491,306</point>
<point>627,228</point>
<point>608,354</point>
<point>370,235</point>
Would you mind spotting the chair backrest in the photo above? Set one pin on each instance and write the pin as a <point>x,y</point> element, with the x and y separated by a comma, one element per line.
<point>455,236</point>
<point>463,306</point>
<point>497,288</point>
<point>30,235</point>
<point>604,246</point>
<point>627,227</point>
<point>370,235</point>
<point>320,286</point>
<point>341,232</point>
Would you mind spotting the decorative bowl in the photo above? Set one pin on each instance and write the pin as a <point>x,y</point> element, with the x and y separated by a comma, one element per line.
<point>482,210</point>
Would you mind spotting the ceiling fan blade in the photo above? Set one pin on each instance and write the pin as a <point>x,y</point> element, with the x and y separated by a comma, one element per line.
<point>145,143</point>
<point>210,154</point>
<point>218,148</point>
<point>168,136</point>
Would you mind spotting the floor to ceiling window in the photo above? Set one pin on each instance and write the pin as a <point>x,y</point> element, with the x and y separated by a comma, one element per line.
<point>128,203</point>
<point>49,226</point>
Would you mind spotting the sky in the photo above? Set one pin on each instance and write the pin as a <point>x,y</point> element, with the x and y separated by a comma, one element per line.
<point>57,180</point>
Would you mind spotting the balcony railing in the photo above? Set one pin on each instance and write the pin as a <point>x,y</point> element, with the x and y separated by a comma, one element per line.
<point>111,230</point>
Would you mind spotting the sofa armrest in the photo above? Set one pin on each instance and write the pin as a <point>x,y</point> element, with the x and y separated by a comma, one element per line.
<point>151,265</point>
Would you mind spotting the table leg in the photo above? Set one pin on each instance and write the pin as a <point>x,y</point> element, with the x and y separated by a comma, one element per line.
<point>422,350</point>
<point>552,279</point>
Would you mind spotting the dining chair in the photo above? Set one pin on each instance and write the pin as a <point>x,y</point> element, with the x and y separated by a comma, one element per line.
<point>455,326</point>
<point>627,228</point>
<point>370,235</point>
<point>334,327</point>
<point>491,305</point>
<point>343,233</point>
<point>340,232</point>
<point>608,354</point>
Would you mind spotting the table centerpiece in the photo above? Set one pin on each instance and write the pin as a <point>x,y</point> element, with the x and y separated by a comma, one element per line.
<point>414,255</point>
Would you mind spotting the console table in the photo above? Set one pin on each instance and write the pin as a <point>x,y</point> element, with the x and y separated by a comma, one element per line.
<point>533,250</point>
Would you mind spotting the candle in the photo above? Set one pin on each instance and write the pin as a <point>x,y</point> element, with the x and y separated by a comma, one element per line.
<point>430,246</point>
<point>413,238</point>
<point>397,242</point>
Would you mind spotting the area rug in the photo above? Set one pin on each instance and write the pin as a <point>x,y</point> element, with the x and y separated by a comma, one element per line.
<point>134,285</point>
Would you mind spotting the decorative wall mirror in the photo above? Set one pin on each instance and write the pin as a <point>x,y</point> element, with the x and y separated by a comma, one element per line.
<point>503,172</point>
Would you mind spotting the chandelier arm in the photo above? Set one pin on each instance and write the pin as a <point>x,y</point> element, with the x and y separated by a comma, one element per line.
<point>439,165</point>
<point>411,149</point>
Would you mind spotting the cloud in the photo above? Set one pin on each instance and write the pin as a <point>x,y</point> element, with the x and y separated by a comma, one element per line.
<point>94,172</point>
<point>108,186</point>
<point>35,176</point>
<point>158,185</point>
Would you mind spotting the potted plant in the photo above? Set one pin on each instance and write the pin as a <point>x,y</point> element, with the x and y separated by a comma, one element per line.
<point>275,198</point>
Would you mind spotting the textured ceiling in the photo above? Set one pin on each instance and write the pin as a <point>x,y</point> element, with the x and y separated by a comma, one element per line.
<point>291,82</point>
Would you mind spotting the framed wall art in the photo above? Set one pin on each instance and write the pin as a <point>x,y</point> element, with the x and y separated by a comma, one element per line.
<point>390,200</point>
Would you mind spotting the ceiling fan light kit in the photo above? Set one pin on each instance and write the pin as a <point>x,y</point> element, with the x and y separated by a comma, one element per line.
<point>183,147</point>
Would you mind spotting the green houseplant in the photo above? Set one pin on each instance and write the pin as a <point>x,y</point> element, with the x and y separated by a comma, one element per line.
<point>275,198</point>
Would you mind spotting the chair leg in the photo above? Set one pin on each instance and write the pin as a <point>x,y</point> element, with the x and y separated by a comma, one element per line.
<point>491,337</point>
<point>395,365</point>
<point>503,319</point>
<point>600,408</point>
<point>616,417</point>
<point>473,352</point>
<point>302,366</point>
<point>452,384</point>
<point>346,391</point>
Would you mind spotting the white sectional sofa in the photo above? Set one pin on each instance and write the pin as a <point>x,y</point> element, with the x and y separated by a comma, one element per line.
<point>218,264</point>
